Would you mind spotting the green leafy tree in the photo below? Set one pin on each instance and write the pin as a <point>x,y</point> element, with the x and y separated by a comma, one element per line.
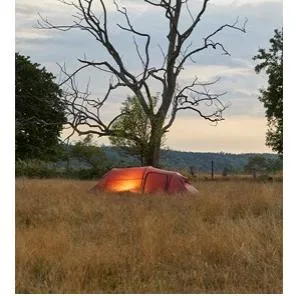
<point>256,164</point>
<point>275,165</point>
<point>272,97</point>
<point>262,165</point>
<point>39,111</point>
<point>133,130</point>
<point>86,151</point>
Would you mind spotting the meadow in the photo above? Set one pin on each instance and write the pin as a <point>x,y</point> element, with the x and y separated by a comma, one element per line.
<point>228,239</point>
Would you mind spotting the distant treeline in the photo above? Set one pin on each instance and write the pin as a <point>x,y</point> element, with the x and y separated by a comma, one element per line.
<point>171,159</point>
<point>201,161</point>
<point>71,166</point>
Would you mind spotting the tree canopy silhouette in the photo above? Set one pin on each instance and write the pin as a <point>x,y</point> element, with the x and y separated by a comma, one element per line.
<point>39,111</point>
<point>272,97</point>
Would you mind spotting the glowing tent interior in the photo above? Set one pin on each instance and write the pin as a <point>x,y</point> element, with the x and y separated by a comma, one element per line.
<point>143,180</point>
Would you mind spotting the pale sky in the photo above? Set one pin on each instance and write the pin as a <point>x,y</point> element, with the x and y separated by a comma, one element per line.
<point>244,127</point>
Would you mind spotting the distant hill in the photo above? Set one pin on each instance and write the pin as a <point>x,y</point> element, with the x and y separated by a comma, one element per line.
<point>200,161</point>
<point>178,160</point>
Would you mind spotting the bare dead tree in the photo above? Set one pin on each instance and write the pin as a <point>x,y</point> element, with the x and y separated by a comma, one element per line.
<point>84,111</point>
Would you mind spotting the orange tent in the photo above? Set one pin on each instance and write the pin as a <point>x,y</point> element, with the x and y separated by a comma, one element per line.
<point>143,180</point>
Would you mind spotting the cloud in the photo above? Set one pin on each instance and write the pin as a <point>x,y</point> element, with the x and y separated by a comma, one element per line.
<point>211,72</point>
<point>259,29</point>
<point>238,3</point>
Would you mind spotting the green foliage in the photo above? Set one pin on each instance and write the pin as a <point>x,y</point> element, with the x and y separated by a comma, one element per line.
<point>228,169</point>
<point>91,155</point>
<point>89,174</point>
<point>259,163</point>
<point>33,168</point>
<point>272,97</point>
<point>133,130</point>
<point>93,158</point>
<point>256,164</point>
<point>39,111</point>
<point>275,165</point>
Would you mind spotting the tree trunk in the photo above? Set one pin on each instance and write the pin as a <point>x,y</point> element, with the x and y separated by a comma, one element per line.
<point>152,154</point>
<point>142,160</point>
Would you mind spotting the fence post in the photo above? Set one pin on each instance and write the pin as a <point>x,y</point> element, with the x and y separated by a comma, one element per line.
<point>212,171</point>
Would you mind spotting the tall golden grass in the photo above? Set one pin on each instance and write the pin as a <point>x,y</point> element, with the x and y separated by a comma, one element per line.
<point>226,240</point>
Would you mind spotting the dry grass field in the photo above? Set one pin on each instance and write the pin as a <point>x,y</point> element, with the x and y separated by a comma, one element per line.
<point>226,240</point>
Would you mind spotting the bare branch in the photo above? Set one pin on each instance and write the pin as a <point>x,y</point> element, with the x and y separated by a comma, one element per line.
<point>214,117</point>
<point>83,109</point>
<point>131,29</point>
<point>189,11</point>
<point>209,43</point>
<point>195,21</point>
<point>190,98</point>
<point>62,69</point>
<point>164,56</point>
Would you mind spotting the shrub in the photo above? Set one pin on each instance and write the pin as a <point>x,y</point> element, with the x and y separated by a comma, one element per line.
<point>33,168</point>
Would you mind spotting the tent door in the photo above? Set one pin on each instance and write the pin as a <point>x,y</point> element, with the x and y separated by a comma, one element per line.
<point>155,182</point>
